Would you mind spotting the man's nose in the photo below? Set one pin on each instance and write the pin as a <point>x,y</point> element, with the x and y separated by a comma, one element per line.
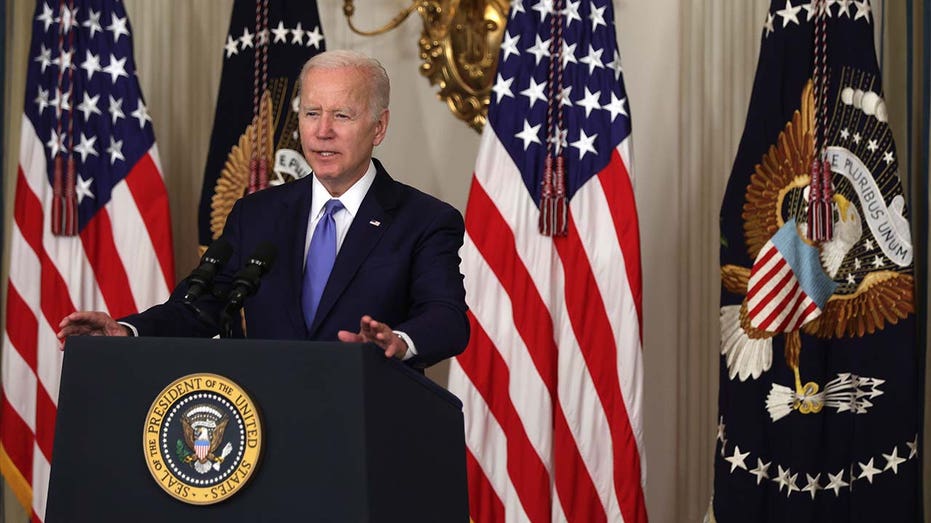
<point>325,126</point>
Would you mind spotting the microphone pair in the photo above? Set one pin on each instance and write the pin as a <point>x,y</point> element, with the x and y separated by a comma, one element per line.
<point>245,282</point>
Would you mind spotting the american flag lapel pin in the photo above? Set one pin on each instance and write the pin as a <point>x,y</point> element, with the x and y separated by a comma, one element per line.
<point>376,223</point>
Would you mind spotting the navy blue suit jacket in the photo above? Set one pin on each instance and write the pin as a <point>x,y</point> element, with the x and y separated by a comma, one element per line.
<point>398,263</point>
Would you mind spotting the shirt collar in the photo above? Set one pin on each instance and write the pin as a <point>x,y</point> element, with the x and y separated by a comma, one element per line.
<point>351,199</point>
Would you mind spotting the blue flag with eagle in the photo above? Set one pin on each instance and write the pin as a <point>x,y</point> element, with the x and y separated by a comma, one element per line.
<point>819,404</point>
<point>254,142</point>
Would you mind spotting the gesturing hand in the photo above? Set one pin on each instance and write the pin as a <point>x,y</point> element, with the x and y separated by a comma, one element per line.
<point>90,323</point>
<point>372,331</point>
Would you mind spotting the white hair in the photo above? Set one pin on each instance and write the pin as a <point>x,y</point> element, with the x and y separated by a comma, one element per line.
<point>370,67</point>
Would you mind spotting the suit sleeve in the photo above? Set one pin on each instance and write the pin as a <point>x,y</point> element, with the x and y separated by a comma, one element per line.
<point>174,317</point>
<point>437,323</point>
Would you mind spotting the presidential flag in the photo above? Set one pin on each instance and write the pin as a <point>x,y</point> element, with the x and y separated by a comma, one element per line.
<point>551,380</point>
<point>91,225</point>
<point>820,408</point>
<point>255,140</point>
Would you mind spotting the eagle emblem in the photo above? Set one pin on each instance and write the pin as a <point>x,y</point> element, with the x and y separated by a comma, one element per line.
<point>850,286</point>
<point>203,428</point>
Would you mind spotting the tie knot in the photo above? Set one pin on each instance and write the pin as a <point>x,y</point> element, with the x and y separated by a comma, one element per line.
<point>331,206</point>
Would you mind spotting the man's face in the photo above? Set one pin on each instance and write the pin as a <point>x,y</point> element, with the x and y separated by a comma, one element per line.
<point>338,133</point>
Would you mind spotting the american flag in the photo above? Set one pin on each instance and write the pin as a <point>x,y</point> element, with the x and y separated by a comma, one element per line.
<point>787,287</point>
<point>551,380</point>
<point>84,107</point>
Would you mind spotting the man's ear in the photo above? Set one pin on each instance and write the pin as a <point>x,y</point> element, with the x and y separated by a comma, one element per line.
<point>381,127</point>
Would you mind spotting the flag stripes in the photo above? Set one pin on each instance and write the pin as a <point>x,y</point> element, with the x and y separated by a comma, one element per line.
<point>121,258</point>
<point>541,333</point>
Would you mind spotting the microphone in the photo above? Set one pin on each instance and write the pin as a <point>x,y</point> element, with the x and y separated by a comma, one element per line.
<point>246,281</point>
<point>201,278</point>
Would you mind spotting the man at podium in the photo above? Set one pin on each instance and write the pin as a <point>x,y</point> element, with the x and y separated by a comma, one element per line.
<point>347,253</point>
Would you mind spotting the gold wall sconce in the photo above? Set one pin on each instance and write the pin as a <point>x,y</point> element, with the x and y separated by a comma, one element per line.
<point>459,48</point>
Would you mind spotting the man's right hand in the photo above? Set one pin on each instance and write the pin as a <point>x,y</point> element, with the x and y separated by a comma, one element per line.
<point>90,323</point>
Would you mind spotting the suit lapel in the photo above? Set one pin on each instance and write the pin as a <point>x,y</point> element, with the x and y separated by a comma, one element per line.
<point>297,216</point>
<point>373,219</point>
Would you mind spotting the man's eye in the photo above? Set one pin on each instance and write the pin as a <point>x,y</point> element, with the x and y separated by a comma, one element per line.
<point>342,116</point>
<point>311,114</point>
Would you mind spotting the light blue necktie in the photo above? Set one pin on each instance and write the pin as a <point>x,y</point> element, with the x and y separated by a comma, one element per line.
<point>320,258</point>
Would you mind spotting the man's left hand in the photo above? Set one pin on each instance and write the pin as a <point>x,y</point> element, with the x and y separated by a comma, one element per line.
<point>372,331</point>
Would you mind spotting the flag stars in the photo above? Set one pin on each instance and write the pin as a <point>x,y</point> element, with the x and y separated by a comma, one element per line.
<point>912,448</point>
<point>585,144</point>
<point>721,428</point>
<point>116,68</point>
<point>116,109</point>
<point>117,27</point>
<point>535,92</point>
<point>590,102</point>
<point>42,100</point>
<point>568,54</point>
<point>86,147</point>
<point>44,58</point>
<point>55,143</point>
<point>231,47</point>
<point>813,485</point>
<point>761,471</point>
<point>115,150</point>
<point>68,18</point>
<point>540,49</point>
<point>868,244</point>
<point>65,60</point>
<point>737,459</point>
<point>529,135</point>
<point>857,138</point>
<point>509,46</point>
<point>888,158</point>
<point>93,23</point>
<point>768,26</point>
<point>893,460</point>
<point>863,10</point>
<point>502,88</point>
<point>845,133</point>
<point>878,261</point>
<point>850,279</point>
<point>843,8</point>
<point>89,106</point>
<point>789,14</point>
<point>836,482</point>
<point>262,36</point>
<point>314,38</point>
<point>247,39</point>
<point>91,64</point>
<point>559,139</point>
<point>811,10</point>
<point>571,12</point>
<point>544,7</point>
<point>597,16</point>
<point>46,16</point>
<point>280,32</point>
<point>565,96</point>
<point>868,471</point>
<point>593,59</point>
<point>785,480</point>
<point>141,114</point>
<point>83,188</point>
<point>872,145</point>
<point>297,34</point>
<point>616,107</point>
<point>615,64</point>
<point>61,102</point>
<point>517,6</point>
